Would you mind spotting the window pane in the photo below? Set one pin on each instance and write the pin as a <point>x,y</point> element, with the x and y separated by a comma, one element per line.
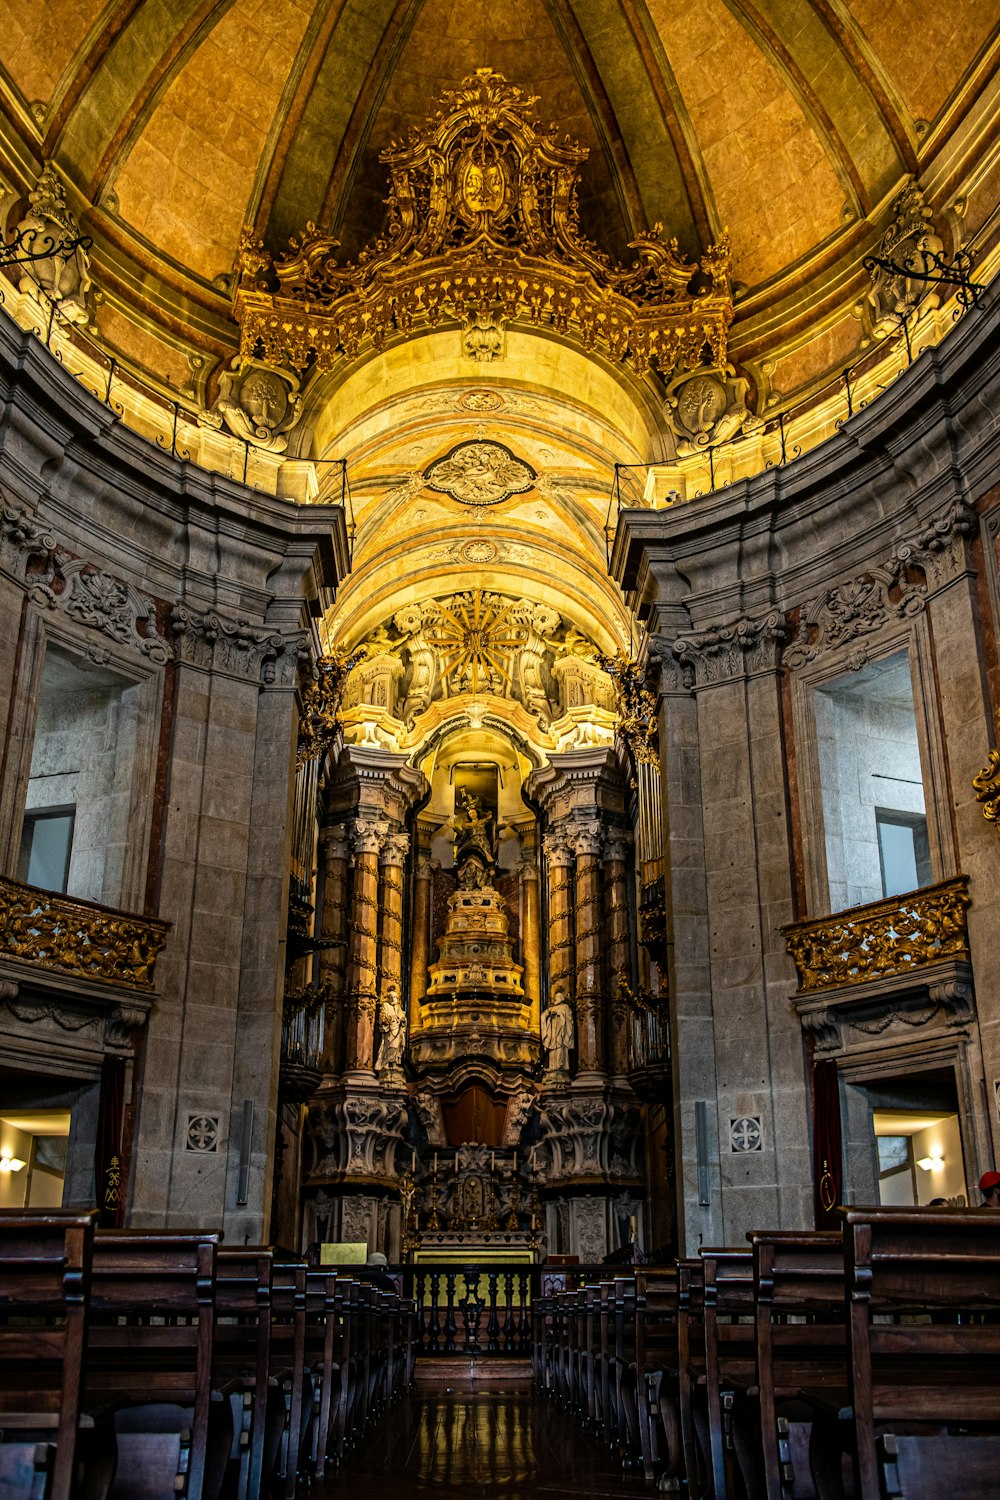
<point>899,857</point>
<point>45,849</point>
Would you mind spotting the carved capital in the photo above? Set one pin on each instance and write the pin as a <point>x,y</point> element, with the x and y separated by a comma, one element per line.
<point>122,1024</point>
<point>558,850</point>
<point>746,645</point>
<point>586,838</point>
<point>216,643</point>
<point>395,848</point>
<point>21,537</point>
<point>617,847</point>
<point>336,844</point>
<point>368,835</point>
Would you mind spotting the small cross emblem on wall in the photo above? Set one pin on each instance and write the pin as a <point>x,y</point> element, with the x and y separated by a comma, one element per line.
<point>745,1134</point>
<point>202,1133</point>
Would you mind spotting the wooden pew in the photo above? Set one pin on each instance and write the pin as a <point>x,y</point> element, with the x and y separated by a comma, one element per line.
<point>691,1371</point>
<point>656,1378</point>
<point>48,1434</point>
<point>801,1348</point>
<point>242,1353</point>
<point>149,1348</point>
<point>730,1356</point>
<point>911,1380</point>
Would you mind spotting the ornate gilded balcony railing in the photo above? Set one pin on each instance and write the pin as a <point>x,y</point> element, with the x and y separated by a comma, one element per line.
<point>78,937</point>
<point>895,936</point>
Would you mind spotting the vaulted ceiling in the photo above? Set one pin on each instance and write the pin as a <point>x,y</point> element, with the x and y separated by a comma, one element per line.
<point>791,122</point>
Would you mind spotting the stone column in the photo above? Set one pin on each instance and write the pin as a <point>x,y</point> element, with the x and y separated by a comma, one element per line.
<point>393,858</point>
<point>363,955</point>
<point>560,890</point>
<point>336,850</point>
<point>420,942</point>
<point>616,853</point>
<point>586,839</point>
<point>530,927</point>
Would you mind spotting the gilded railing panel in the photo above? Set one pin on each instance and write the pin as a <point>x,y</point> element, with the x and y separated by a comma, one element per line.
<point>78,937</point>
<point>893,936</point>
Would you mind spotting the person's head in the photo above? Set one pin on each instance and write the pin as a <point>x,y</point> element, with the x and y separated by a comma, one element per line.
<point>378,1260</point>
<point>989,1186</point>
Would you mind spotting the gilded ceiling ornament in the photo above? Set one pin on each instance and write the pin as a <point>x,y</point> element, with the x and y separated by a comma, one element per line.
<point>986,785</point>
<point>637,724</point>
<point>484,224</point>
<point>481,401</point>
<point>319,718</point>
<point>480,473</point>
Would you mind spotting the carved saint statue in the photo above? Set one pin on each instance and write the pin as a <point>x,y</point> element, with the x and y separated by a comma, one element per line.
<point>558,1033</point>
<point>392,1021</point>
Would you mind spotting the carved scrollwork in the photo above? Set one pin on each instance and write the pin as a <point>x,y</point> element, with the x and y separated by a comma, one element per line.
<point>61,276</point>
<point>21,536</point>
<point>986,785</point>
<point>258,404</point>
<point>58,932</point>
<point>893,936</point>
<point>102,602</point>
<point>218,643</point>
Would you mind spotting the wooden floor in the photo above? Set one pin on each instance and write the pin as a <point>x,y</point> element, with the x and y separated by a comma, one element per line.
<point>483,1442</point>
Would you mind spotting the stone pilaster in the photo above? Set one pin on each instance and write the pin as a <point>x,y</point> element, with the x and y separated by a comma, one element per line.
<point>589,973</point>
<point>362,972</point>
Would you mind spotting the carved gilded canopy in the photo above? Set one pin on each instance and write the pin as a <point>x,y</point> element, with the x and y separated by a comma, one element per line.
<point>483,220</point>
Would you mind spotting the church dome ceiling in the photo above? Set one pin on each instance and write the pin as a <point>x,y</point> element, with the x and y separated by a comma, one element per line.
<point>791,123</point>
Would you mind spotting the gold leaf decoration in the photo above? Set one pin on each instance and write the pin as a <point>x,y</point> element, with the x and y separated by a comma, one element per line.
<point>484,222</point>
<point>78,937</point>
<point>894,936</point>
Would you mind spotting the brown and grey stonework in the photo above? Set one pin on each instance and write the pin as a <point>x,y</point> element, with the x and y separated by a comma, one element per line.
<point>883,540</point>
<point>199,591</point>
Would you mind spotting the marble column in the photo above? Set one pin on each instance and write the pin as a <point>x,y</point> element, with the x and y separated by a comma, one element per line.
<point>616,855</point>
<point>530,927</point>
<point>336,850</point>
<point>420,943</point>
<point>393,858</point>
<point>560,891</point>
<point>586,839</point>
<point>362,968</point>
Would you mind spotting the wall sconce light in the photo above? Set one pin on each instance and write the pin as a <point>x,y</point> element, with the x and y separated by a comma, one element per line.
<point>931,1163</point>
<point>11,1163</point>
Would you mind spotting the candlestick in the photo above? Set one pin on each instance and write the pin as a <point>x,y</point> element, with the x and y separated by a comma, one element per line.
<point>515,1161</point>
<point>413,1159</point>
<point>492,1164</point>
<point>435,1164</point>
<point>457,1156</point>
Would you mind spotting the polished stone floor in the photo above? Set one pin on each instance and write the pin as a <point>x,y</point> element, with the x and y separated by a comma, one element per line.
<point>500,1443</point>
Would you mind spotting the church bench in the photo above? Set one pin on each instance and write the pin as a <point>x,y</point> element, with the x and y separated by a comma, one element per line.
<point>150,1348</point>
<point>51,1434</point>
<point>288,1363</point>
<point>691,1372</point>
<point>925,1395</point>
<point>656,1366</point>
<point>801,1346</point>
<point>730,1359</point>
<point>242,1353</point>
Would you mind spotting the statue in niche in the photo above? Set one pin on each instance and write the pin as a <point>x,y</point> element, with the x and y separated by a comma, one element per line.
<point>538,624</point>
<point>558,1035</point>
<point>392,1021</point>
<point>423,662</point>
<point>476,834</point>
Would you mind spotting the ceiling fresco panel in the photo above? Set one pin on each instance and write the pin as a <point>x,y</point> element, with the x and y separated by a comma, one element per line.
<point>189,176</point>
<point>774,183</point>
<point>39,41</point>
<point>927,49</point>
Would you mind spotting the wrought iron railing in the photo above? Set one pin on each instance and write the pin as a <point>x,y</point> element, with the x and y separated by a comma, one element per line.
<point>897,935</point>
<point>59,932</point>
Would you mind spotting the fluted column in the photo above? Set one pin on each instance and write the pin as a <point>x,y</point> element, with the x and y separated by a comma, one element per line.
<point>420,944</point>
<point>393,858</point>
<point>336,861</point>
<point>587,841</point>
<point>559,857</point>
<point>363,958</point>
<point>616,855</point>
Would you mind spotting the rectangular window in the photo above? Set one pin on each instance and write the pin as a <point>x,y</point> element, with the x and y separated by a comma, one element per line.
<point>872,784</point>
<point>903,851</point>
<point>46,847</point>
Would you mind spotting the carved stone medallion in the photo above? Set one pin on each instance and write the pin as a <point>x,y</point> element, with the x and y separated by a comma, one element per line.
<point>480,473</point>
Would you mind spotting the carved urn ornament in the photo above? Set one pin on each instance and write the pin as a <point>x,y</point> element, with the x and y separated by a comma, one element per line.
<point>483,229</point>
